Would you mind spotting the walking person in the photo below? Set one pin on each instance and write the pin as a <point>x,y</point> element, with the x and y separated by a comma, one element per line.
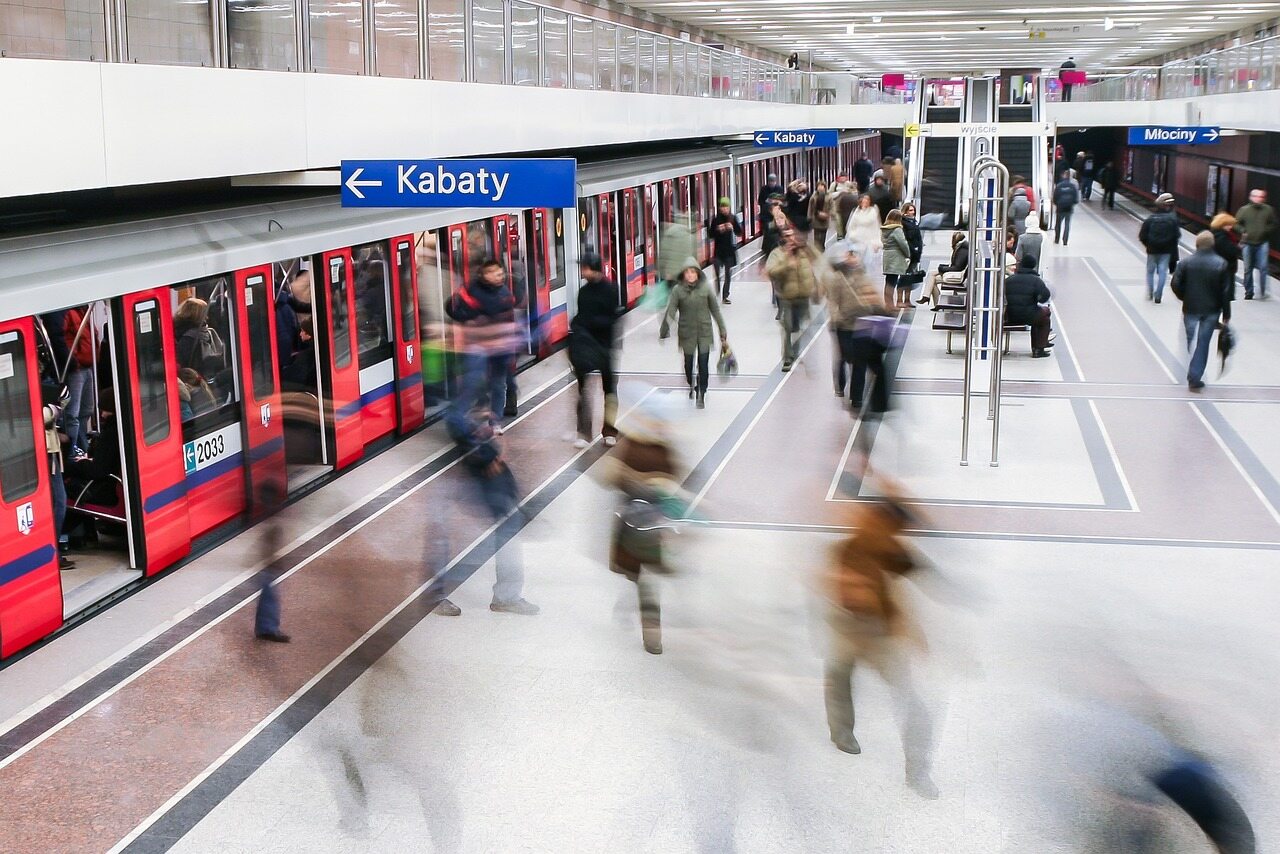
<point>1159,235</point>
<point>852,298</point>
<point>770,189</point>
<point>693,305</point>
<point>1256,222</point>
<point>869,625</point>
<point>863,169</point>
<point>1026,302</point>
<point>1203,282</point>
<point>674,245</point>
<point>819,216</point>
<point>791,269</point>
<point>1068,66</point>
<point>896,260</point>
<point>726,231</point>
<point>266,618</point>
<point>845,204</point>
<point>1065,199</point>
<point>1224,243</point>
<point>772,229</point>
<point>592,341</point>
<point>1031,243</point>
<point>487,333</point>
<point>1086,177</point>
<point>1109,178</point>
<point>797,206</point>
<point>1020,206</point>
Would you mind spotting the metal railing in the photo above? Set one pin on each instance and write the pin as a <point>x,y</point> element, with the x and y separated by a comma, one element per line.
<point>511,42</point>
<point>1244,68</point>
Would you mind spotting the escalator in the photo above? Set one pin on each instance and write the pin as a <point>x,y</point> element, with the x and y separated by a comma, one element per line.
<point>1017,153</point>
<point>940,169</point>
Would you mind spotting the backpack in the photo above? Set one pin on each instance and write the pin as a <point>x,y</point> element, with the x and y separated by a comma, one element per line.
<point>1064,196</point>
<point>1162,231</point>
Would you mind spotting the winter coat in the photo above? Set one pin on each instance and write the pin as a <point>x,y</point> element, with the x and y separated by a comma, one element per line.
<point>592,333</point>
<point>639,469</point>
<point>1155,243</point>
<point>862,171</point>
<point>897,252</point>
<point>897,180</point>
<point>1227,250</point>
<point>486,317</point>
<point>819,217</point>
<point>725,240</point>
<point>675,245</point>
<point>864,228</point>
<point>959,257</point>
<point>1066,195</point>
<point>1019,207</point>
<point>850,296</point>
<point>1256,223</point>
<point>882,198</point>
<point>1030,243</point>
<point>859,577</point>
<point>695,306</point>
<point>915,239</point>
<point>1204,284</point>
<point>794,274</point>
<point>1023,295</point>
<point>797,209</point>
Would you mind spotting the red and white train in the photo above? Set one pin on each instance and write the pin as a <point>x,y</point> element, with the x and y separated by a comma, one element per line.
<point>195,446</point>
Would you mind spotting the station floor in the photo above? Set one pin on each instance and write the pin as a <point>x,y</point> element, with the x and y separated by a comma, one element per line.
<point>1119,567</point>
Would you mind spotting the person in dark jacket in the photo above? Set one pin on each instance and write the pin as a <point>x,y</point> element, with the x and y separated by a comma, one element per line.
<point>1222,227</point>
<point>863,169</point>
<point>771,228</point>
<point>726,231</point>
<point>819,216</point>
<point>1065,199</point>
<point>486,334</point>
<point>770,189</point>
<point>959,263</point>
<point>592,338</point>
<point>1109,178</point>
<point>915,239</point>
<point>1068,66</point>
<point>300,373</point>
<point>288,311</point>
<point>881,196</point>
<point>1026,299</point>
<point>1159,236</point>
<point>797,206</point>
<point>1204,284</point>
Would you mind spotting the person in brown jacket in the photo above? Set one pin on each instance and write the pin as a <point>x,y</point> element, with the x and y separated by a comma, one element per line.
<point>868,624</point>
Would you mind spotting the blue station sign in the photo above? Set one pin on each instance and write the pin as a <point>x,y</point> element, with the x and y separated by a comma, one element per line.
<point>796,138</point>
<point>1189,135</point>
<point>511,183</point>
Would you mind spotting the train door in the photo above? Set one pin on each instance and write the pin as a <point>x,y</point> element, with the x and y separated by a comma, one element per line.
<point>666,201</point>
<point>408,348</point>
<point>633,254</point>
<point>154,463</point>
<point>701,197</point>
<point>557,328</point>
<point>373,328</point>
<point>263,414</point>
<point>539,285</point>
<point>207,342</point>
<point>30,584</point>
<point>606,228</point>
<point>650,224</point>
<point>342,409</point>
<point>308,446</point>
<point>431,259</point>
<point>747,199</point>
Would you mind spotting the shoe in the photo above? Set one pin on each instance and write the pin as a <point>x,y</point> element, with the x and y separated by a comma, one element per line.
<point>726,301</point>
<point>1150,295</point>
<point>786,366</point>
<point>702,399</point>
<point>1195,385</point>
<point>511,410</point>
<point>445,608</point>
<point>610,441</point>
<point>839,392</point>
<point>653,646</point>
<point>1064,243</point>
<point>922,784</point>
<point>922,300</point>
<point>498,429</point>
<point>1055,243</point>
<point>1040,354</point>
<point>275,637</point>
<point>847,744</point>
<point>691,392</point>
<point>1157,300</point>
<point>1248,296</point>
<point>78,455</point>
<point>65,563</point>
<point>580,443</point>
<point>516,606</point>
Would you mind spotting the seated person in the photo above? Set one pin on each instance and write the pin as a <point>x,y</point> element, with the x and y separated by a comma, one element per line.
<point>103,461</point>
<point>959,263</point>
<point>1026,303</point>
<point>300,373</point>
<point>194,395</point>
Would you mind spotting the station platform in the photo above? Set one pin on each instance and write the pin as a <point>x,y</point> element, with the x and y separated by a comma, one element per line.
<point>1124,554</point>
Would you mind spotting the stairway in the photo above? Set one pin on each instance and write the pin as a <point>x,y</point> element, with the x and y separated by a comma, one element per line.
<point>941,166</point>
<point>1017,153</point>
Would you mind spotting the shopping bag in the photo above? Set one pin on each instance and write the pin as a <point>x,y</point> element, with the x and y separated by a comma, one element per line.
<point>655,297</point>
<point>727,365</point>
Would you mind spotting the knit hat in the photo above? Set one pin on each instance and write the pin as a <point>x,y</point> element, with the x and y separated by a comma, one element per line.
<point>1029,262</point>
<point>724,202</point>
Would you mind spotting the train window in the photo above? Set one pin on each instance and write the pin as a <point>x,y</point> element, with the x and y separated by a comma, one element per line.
<point>555,261</point>
<point>19,472</point>
<point>257,298</point>
<point>404,269</point>
<point>373,303</point>
<point>203,348</point>
<point>153,376</point>
<point>338,308</point>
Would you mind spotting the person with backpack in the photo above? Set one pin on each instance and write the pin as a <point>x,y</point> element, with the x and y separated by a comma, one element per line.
<point>1065,199</point>
<point>592,339</point>
<point>1159,236</point>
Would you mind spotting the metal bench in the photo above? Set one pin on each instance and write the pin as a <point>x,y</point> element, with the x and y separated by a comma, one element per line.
<point>950,321</point>
<point>1009,329</point>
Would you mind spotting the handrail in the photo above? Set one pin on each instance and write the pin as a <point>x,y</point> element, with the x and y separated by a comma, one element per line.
<point>521,50</point>
<point>1250,67</point>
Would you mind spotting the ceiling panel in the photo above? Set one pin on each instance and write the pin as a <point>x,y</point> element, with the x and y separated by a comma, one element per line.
<point>968,35</point>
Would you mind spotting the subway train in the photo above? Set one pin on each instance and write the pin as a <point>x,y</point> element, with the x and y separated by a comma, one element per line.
<point>219,353</point>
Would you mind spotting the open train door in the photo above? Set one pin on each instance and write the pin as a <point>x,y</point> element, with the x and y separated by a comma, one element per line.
<point>30,584</point>
<point>408,358</point>
<point>263,420</point>
<point>155,463</point>
<point>344,366</point>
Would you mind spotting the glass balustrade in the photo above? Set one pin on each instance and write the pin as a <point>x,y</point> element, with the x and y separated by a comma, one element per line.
<point>1244,68</point>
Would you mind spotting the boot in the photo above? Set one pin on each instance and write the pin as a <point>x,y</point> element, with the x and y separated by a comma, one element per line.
<point>702,399</point>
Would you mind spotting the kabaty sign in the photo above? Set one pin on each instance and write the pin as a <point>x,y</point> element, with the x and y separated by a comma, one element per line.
<point>795,138</point>
<point>531,183</point>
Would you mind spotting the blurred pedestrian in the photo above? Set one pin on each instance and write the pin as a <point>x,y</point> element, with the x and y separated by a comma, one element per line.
<point>792,269</point>
<point>797,206</point>
<point>1065,198</point>
<point>592,339</point>
<point>1109,178</point>
<point>845,203</point>
<point>726,231</point>
<point>1203,282</point>
<point>863,226</point>
<point>1256,222</point>
<point>853,295</point>
<point>674,245</point>
<point>1223,228</point>
<point>897,180</point>
<point>868,624</point>
<point>268,499</point>
<point>772,228</point>
<point>487,336</point>
<point>693,305</point>
<point>770,189</point>
<point>819,215</point>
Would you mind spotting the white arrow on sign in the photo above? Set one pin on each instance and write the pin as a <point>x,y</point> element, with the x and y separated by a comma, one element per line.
<point>1211,134</point>
<point>354,184</point>
<point>762,138</point>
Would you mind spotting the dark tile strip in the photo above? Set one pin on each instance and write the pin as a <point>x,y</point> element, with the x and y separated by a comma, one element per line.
<point>1104,466</point>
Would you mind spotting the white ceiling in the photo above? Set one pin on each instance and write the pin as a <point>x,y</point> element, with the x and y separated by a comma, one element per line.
<point>966,35</point>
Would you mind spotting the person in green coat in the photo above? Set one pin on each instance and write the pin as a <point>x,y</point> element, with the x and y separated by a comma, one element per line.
<point>897,260</point>
<point>693,305</point>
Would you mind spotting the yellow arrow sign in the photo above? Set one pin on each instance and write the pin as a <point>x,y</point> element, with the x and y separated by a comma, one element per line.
<point>912,130</point>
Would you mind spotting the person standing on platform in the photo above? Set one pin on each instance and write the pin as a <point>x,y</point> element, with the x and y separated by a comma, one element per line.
<point>915,238</point>
<point>1204,284</point>
<point>863,230</point>
<point>770,189</point>
<point>726,231</point>
<point>675,245</point>
<point>897,180</point>
<point>797,206</point>
<point>792,268</point>
<point>772,228</point>
<point>1065,199</point>
<point>592,339</point>
<point>881,196</point>
<point>869,625</point>
<point>1109,178</point>
<point>693,305</point>
<point>846,203</point>
<point>897,259</point>
<point>484,312</point>
<point>863,169</point>
<point>1031,243</point>
<point>1026,302</point>
<point>819,216</point>
<point>1256,222</point>
<point>852,296</point>
<point>1068,66</point>
<point>1159,235</point>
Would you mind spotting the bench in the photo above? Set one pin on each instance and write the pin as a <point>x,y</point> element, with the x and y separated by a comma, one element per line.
<point>951,321</point>
<point>1009,329</point>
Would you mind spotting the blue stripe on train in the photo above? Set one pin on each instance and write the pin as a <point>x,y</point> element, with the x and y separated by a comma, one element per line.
<point>164,497</point>
<point>349,409</point>
<point>258,453</point>
<point>376,394</point>
<point>410,381</point>
<point>29,562</point>
<point>229,463</point>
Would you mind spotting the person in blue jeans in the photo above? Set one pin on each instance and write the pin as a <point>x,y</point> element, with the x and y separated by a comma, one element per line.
<point>1159,236</point>
<point>1203,282</point>
<point>1256,222</point>
<point>487,332</point>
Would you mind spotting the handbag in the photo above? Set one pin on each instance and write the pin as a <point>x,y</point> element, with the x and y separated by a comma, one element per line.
<point>911,279</point>
<point>727,365</point>
<point>953,277</point>
<point>639,531</point>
